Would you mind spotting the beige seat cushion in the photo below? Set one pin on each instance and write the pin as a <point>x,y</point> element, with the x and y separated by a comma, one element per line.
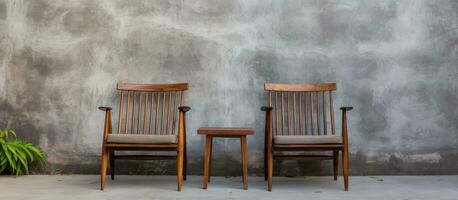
<point>308,139</point>
<point>141,139</point>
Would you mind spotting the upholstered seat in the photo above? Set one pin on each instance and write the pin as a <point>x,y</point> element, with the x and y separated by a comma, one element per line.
<point>141,139</point>
<point>308,139</point>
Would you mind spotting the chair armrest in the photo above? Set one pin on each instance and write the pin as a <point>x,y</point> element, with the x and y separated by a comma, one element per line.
<point>184,108</point>
<point>266,108</point>
<point>107,127</point>
<point>346,108</point>
<point>105,108</point>
<point>344,123</point>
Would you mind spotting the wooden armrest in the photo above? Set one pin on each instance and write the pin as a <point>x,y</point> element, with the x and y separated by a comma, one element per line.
<point>105,108</point>
<point>184,108</point>
<point>266,108</point>
<point>107,127</point>
<point>346,108</point>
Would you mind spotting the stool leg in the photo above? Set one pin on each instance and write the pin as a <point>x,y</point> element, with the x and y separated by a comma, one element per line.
<point>206,161</point>
<point>210,165</point>
<point>244,162</point>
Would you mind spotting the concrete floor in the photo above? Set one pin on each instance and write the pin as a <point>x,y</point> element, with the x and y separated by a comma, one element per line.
<point>164,187</point>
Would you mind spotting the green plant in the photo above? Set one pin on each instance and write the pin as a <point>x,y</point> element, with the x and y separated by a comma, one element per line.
<point>16,155</point>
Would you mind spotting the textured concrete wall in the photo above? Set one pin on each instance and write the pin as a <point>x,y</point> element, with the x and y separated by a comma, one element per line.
<point>395,61</point>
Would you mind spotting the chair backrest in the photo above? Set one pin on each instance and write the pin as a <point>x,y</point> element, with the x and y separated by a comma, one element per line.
<point>149,109</point>
<point>300,109</point>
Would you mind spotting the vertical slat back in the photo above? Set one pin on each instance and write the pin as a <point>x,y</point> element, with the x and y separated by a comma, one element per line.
<point>277,123</point>
<point>121,101</point>
<point>282,112</point>
<point>149,108</point>
<point>156,123</point>
<point>305,109</point>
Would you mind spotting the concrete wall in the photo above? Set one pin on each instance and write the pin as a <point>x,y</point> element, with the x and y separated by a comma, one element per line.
<point>395,61</point>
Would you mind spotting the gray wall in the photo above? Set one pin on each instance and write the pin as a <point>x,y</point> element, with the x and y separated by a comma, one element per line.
<point>395,61</point>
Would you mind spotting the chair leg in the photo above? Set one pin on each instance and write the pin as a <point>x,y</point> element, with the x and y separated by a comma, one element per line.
<point>336,164</point>
<point>270,170</point>
<point>185,162</point>
<point>112,164</point>
<point>345,167</point>
<point>103,169</point>
<point>265,161</point>
<point>180,168</point>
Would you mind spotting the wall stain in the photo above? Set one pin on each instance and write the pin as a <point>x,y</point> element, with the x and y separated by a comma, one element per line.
<point>87,19</point>
<point>2,10</point>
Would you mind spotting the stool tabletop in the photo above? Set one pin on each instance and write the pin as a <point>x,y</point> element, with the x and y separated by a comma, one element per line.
<point>225,131</point>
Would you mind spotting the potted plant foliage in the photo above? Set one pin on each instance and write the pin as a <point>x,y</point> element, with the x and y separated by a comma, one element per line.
<point>16,156</point>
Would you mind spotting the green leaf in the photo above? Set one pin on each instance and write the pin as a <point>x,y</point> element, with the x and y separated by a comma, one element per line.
<point>13,133</point>
<point>20,152</point>
<point>36,151</point>
<point>24,165</point>
<point>27,151</point>
<point>20,156</point>
<point>6,130</point>
<point>18,169</point>
<point>3,161</point>
<point>2,168</point>
<point>8,155</point>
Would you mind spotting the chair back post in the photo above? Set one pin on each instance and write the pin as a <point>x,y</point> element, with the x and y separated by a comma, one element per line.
<point>107,128</point>
<point>269,125</point>
<point>181,130</point>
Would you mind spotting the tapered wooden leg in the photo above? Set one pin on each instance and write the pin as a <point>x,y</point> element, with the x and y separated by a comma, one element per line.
<point>244,162</point>
<point>103,168</point>
<point>210,165</point>
<point>345,166</point>
<point>265,160</point>
<point>206,161</point>
<point>185,159</point>
<point>345,154</point>
<point>336,164</point>
<point>270,169</point>
<point>180,167</point>
<point>112,164</point>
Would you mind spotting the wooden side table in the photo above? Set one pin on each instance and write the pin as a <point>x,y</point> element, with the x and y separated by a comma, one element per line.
<point>211,132</point>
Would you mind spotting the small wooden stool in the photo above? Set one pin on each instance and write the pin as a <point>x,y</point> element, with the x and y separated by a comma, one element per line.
<point>224,132</point>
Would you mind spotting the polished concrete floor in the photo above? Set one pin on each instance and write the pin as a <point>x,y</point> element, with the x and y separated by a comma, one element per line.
<point>84,187</point>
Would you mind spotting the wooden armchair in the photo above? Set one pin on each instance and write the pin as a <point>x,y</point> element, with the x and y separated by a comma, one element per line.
<point>147,121</point>
<point>296,120</point>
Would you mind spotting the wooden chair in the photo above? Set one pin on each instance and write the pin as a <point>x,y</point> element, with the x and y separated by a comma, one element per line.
<point>296,120</point>
<point>147,121</point>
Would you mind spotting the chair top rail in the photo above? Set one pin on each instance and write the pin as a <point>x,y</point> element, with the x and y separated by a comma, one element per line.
<point>161,87</point>
<point>286,87</point>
